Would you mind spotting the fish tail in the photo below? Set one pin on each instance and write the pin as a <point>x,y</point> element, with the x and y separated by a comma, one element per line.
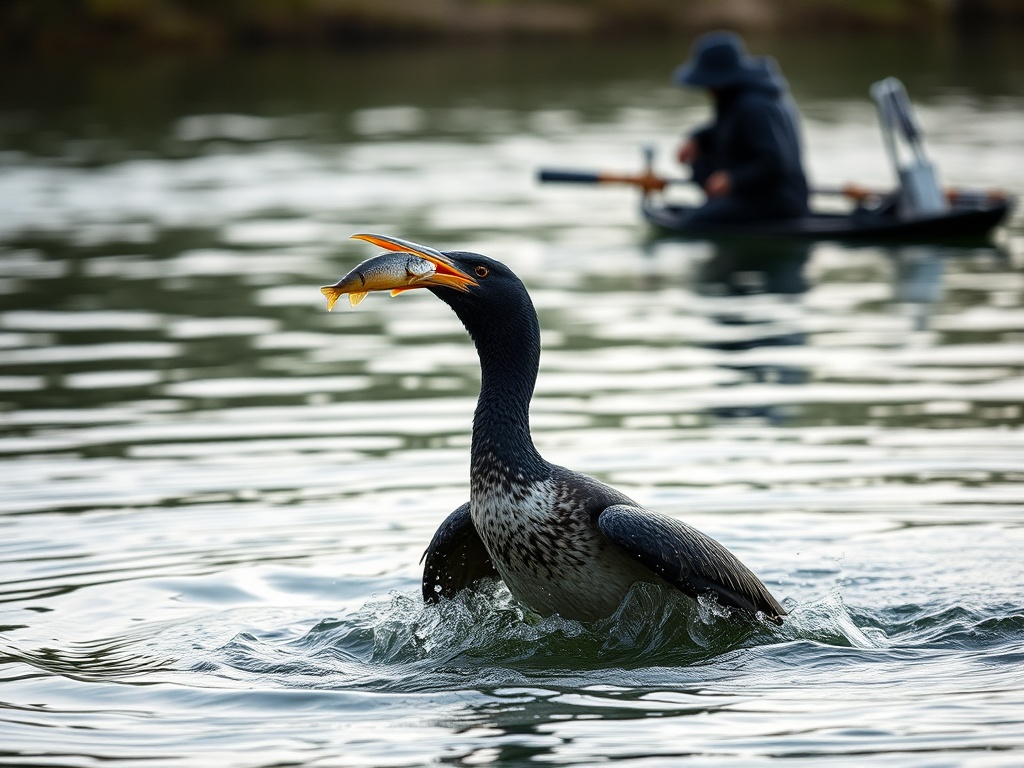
<point>332,294</point>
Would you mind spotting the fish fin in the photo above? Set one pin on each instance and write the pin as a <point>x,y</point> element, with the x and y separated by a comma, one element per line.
<point>332,294</point>
<point>356,296</point>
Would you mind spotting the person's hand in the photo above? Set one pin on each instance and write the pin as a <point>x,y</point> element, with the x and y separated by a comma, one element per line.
<point>718,184</point>
<point>687,152</point>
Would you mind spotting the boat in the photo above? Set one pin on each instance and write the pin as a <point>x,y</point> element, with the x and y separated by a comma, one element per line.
<point>916,210</point>
<point>967,217</point>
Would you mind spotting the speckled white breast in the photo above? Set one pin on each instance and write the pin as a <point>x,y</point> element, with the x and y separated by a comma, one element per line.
<point>549,553</point>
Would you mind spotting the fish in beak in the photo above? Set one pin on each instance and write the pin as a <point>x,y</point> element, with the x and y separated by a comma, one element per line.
<point>405,266</point>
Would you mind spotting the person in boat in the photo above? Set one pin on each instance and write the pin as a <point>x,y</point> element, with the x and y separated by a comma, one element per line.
<point>748,159</point>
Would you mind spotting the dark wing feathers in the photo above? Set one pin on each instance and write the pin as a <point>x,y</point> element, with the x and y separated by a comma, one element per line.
<point>686,558</point>
<point>456,558</point>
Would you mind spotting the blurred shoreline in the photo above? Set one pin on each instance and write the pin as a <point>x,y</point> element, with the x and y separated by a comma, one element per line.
<point>30,28</point>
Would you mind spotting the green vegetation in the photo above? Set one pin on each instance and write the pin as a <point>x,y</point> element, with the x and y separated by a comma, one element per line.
<point>56,27</point>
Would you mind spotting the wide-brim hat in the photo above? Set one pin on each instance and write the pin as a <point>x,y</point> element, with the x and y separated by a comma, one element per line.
<point>719,60</point>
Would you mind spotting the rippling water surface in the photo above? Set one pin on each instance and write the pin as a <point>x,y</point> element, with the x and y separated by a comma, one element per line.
<point>214,495</point>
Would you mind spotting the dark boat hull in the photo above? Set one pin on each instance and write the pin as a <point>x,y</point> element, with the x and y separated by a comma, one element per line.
<point>963,221</point>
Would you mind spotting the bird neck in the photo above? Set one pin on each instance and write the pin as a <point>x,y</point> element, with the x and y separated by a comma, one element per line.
<point>509,353</point>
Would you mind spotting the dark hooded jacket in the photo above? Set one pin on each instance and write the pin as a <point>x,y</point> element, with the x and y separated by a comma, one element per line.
<point>755,137</point>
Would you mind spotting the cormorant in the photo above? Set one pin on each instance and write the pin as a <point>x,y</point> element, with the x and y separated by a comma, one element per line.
<point>562,542</point>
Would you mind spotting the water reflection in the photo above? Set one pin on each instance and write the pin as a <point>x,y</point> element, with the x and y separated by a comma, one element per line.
<point>917,282</point>
<point>746,269</point>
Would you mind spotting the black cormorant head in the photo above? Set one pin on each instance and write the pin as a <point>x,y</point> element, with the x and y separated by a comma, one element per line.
<point>498,304</point>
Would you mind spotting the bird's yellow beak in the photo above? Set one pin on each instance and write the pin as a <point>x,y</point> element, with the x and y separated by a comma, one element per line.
<point>406,266</point>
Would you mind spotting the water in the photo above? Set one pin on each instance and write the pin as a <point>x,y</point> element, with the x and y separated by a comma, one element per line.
<point>214,494</point>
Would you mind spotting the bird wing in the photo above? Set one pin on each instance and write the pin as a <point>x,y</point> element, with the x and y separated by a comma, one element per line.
<point>456,558</point>
<point>686,558</point>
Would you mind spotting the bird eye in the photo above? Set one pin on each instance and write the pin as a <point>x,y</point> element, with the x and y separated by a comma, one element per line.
<point>482,271</point>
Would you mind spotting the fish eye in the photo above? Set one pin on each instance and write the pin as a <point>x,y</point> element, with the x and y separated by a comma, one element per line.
<point>482,271</point>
